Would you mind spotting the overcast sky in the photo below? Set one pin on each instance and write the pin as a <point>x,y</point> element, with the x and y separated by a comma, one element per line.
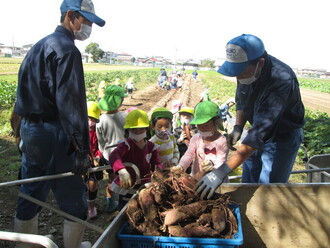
<point>296,32</point>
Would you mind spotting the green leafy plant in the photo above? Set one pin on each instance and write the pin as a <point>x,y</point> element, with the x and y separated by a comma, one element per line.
<point>317,133</point>
<point>7,94</point>
<point>318,84</point>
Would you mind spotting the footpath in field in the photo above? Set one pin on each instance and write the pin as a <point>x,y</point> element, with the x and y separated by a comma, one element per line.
<point>155,97</point>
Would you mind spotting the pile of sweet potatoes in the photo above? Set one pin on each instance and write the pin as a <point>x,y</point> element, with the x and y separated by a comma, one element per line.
<point>170,207</point>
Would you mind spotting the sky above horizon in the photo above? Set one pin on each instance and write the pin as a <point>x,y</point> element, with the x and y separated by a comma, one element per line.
<point>295,32</point>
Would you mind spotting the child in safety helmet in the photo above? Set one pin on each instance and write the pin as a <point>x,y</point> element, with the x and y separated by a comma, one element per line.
<point>185,131</point>
<point>224,111</point>
<point>176,106</point>
<point>208,147</point>
<point>135,159</point>
<point>161,123</point>
<point>110,132</point>
<point>95,159</point>
<point>129,86</point>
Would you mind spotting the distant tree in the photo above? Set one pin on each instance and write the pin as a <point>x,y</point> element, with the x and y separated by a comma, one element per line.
<point>208,63</point>
<point>94,49</point>
<point>133,59</point>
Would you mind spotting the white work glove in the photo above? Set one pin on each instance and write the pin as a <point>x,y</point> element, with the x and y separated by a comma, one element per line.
<point>234,136</point>
<point>125,179</point>
<point>207,165</point>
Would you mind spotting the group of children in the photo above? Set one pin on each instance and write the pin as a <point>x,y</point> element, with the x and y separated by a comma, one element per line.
<point>174,81</point>
<point>135,145</point>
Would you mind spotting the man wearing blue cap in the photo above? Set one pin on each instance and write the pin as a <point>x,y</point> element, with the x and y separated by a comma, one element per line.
<point>268,97</point>
<point>51,100</point>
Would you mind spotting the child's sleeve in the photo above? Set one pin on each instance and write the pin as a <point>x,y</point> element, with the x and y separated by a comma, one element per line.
<point>176,154</point>
<point>98,153</point>
<point>100,139</point>
<point>222,152</point>
<point>115,157</point>
<point>155,161</point>
<point>189,155</point>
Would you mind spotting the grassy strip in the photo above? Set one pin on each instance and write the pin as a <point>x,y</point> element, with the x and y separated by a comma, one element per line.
<point>318,84</point>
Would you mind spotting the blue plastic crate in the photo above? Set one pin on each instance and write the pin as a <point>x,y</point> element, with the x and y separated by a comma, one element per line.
<point>140,241</point>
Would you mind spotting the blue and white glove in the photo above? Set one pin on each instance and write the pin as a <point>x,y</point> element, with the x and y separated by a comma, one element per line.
<point>212,180</point>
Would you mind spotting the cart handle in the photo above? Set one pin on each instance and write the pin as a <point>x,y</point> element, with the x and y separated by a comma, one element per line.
<point>44,178</point>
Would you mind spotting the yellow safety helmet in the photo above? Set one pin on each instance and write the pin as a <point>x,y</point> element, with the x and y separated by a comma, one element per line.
<point>137,119</point>
<point>187,110</point>
<point>93,110</point>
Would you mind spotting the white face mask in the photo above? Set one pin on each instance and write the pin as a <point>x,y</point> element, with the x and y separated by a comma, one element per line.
<point>206,134</point>
<point>84,32</point>
<point>185,121</point>
<point>163,134</point>
<point>137,137</point>
<point>251,79</point>
<point>91,124</point>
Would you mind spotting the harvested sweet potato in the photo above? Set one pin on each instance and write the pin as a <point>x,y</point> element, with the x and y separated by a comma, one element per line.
<point>205,219</point>
<point>219,218</point>
<point>171,207</point>
<point>148,205</point>
<point>185,212</point>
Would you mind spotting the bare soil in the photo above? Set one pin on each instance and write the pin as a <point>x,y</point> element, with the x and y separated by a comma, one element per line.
<point>49,221</point>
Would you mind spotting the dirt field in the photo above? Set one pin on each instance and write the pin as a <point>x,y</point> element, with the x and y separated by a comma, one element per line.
<point>50,222</point>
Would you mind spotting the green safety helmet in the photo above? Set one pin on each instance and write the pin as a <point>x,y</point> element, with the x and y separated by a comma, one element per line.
<point>205,111</point>
<point>137,119</point>
<point>162,113</point>
<point>112,99</point>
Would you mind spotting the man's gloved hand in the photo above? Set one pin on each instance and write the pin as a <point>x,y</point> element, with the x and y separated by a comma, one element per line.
<point>81,164</point>
<point>125,179</point>
<point>212,180</point>
<point>207,165</point>
<point>234,136</point>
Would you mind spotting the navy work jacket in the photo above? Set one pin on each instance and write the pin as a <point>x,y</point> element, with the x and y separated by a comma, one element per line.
<point>272,104</point>
<point>51,85</point>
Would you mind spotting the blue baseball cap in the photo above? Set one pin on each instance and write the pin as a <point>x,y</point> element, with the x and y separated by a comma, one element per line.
<point>85,8</point>
<point>240,51</point>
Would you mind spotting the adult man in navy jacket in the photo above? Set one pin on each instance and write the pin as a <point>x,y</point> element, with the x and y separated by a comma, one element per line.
<point>268,97</point>
<point>51,98</point>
